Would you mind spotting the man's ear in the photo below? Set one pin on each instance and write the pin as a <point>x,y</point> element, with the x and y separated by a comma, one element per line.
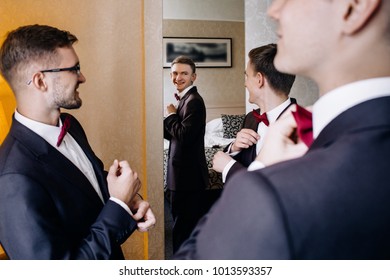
<point>260,79</point>
<point>38,81</point>
<point>357,13</point>
<point>193,77</point>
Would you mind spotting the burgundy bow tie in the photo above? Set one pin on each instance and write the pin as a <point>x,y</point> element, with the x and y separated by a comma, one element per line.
<point>303,118</point>
<point>64,130</point>
<point>261,118</point>
<point>177,97</point>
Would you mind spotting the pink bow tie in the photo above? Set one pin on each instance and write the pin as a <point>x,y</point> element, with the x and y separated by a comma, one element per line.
<point>177,97</point>
<point>261,118</point>
<point>303,118</point>
<point>64,130</point>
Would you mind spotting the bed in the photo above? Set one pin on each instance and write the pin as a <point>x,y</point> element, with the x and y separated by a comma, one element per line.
<point>219,133</point>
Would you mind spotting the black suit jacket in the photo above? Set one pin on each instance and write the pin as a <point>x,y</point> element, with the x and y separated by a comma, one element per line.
<point>332,203</point>
<point>246,156</point>
<point>49,209</point>
<point>187,167</point>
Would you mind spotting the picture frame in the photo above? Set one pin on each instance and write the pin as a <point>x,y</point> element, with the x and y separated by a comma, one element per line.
<point>206,52</point>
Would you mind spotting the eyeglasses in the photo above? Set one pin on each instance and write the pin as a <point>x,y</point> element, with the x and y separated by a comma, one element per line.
<point>75,69</point>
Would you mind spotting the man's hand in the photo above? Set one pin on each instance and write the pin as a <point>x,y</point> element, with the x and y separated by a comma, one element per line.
<point>281,142</point>
<point>171,109</point>
<point>143,214</point>
<point>123,182</point>
<point>244,139</point>
<point>220,160</point>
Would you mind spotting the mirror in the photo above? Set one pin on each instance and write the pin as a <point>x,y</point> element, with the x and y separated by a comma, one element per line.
<point>222,89</point>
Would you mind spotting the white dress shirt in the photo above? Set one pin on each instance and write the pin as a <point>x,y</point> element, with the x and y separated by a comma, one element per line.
<point>181,95</point>
<point>262,130</point>
<point>335,102</point>
<point>69,148</point>
<point>184,92</point>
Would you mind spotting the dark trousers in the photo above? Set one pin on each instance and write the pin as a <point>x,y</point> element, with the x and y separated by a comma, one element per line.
<point>186,208</point>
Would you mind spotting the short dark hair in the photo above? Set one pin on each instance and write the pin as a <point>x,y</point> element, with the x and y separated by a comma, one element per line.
<point>31,43</point>
<point>184,60</point>
<point>262,60</point>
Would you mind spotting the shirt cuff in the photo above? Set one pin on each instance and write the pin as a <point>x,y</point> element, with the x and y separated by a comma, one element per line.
<point>170,114</point>
<point>226,169</point>
<point>121,203</point>
<point>229,150</point>
<point>255,165</point>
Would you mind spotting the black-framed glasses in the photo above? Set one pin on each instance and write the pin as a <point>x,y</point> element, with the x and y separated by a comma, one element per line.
<point>75,69</point>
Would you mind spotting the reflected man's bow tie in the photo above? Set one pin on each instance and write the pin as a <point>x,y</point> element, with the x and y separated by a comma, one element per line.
<point>177,97</point>
<point>261,118</point>
<point>64,130</point>
<point>304,121</point>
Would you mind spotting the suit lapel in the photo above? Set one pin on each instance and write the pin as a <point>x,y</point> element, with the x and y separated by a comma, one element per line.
<point>54,162</point>
<point>186,96</point>
<point>253,124</point>
<point>376,112</point>
<point>96,163</point>
<point>250,122</point>
<point>69,173</point>
<point>293,101</point>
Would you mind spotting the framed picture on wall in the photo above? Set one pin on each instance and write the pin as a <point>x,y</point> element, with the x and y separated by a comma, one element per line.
<point>205,52</point>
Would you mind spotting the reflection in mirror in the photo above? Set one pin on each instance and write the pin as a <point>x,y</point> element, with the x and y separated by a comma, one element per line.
<point>222,89</point>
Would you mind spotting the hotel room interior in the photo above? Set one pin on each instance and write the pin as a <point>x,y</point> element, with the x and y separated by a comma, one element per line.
<point>121,52</point>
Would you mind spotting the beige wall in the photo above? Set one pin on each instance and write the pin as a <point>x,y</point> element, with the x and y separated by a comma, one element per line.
<point>221,10</point>
<point>260,30</point>
<point>117,54</point>
<point>219,87</point>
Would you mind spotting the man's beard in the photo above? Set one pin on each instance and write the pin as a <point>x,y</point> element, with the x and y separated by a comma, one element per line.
<point>67,102</point>
<point>71,105</point>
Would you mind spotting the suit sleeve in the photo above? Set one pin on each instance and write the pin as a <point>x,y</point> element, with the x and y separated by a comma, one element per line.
<point>47,237</point>
<point>189,125</point>
<point>243,125</point>
<point>246,223</point>
<point>236,167</point>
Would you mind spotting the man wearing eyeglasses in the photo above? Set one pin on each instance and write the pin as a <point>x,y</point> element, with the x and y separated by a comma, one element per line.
<point>56,200</point>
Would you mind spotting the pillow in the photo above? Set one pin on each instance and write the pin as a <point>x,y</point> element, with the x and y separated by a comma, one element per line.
<point>231,125</point>
<point>214,126</point>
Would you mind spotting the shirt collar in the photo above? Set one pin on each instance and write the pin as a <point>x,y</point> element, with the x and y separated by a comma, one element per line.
<point>48,132</point>
<point>332,104</point>
<point>181,94</point>
<point>275,112</point>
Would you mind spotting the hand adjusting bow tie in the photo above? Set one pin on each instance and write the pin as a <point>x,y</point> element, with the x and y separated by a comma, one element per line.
<point>177,97</point>
<point>261,118</point>
<point>64,130</point>
<point>304,121</point>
